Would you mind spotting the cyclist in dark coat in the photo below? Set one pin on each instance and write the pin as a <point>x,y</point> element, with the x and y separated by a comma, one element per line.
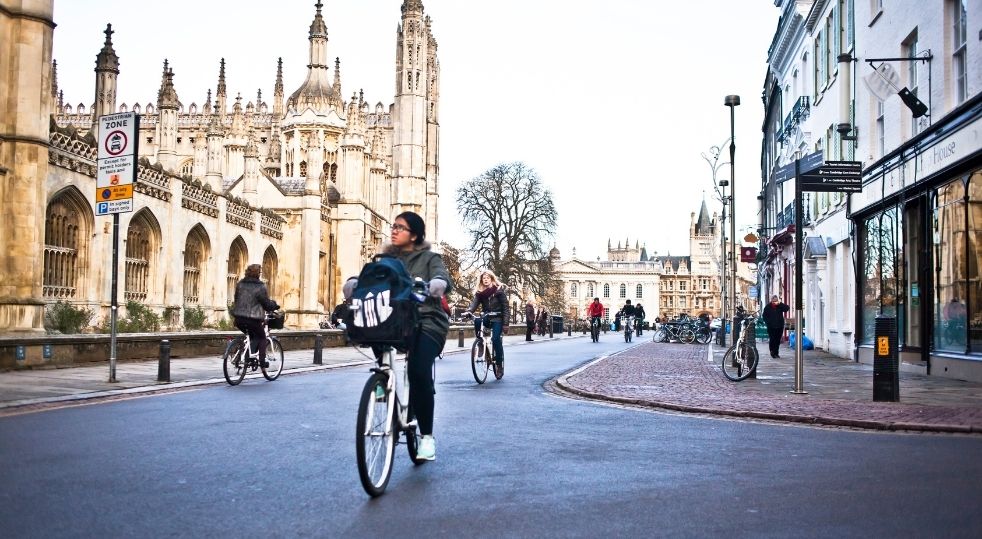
<point>251,303</point>
<point>408,244</point>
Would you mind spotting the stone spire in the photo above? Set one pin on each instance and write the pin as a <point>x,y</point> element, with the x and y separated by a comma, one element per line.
<point>278,92</point>
<point>220,95</point>
<point>106,72</point>
<point>54,80</point>
<point>238,121</point>
<point>316,92</point>
<point>167,95</point>
<point>337,76</point>
<point>107,59</point>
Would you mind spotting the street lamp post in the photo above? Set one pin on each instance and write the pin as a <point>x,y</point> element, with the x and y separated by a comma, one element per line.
<point>720,189</point>
<point>732,101</point>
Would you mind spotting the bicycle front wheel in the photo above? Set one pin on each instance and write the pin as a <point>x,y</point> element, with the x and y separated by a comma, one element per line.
<point>479,361</point>
<point>374,440</point>
<point>627,335</point>
<point>274,356</point>
<point>737,365</point>
<point>234,361</point>
<point>595,333</point>
<point>660,335</point>
<point>703,335</point>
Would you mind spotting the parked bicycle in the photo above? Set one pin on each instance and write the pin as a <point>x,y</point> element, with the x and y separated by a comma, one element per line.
<point>674,331</point>
<point>384,414</point>
<point>482,355</point>
<point>741,358</point>
<point>238,358</point>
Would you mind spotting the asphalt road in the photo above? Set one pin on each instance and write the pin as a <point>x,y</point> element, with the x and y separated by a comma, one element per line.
<point>276,459</point>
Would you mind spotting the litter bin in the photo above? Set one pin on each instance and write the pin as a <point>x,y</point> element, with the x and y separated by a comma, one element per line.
<point>886,363</point>
<point>557,324</point>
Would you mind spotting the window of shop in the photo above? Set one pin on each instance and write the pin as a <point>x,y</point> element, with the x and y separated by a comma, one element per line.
<point>957,236</point>
<point>882,275</point>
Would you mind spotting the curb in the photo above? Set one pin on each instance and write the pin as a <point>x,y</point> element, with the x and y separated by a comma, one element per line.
<point>563,384</point>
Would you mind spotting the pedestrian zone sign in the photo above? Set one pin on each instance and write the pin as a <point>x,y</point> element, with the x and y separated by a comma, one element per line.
<point>118,141</point>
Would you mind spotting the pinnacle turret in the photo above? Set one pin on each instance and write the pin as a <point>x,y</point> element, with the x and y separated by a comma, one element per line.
<point>318,28</point>
<point>107,60</point>
<point>167,95</point>
<point>54,79</point>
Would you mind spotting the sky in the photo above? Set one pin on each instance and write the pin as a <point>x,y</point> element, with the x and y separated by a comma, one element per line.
<point>612,103</point>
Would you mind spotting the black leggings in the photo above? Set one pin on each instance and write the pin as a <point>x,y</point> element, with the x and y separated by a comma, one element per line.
<point>257,337</point>
<point>420,371</point>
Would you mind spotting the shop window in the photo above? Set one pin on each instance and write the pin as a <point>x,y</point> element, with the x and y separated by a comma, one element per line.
<point>882,275</point>
<point>950,242</point>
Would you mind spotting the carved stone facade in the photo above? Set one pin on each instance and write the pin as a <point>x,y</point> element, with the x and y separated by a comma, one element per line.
<point>306,186</point>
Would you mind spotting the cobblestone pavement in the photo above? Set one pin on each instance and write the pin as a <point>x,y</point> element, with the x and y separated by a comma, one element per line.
<point>30,389</point>
<point>840,392</point>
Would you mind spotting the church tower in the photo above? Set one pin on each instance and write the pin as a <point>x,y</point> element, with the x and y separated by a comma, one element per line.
<point>409,120</point>
<point>106,72</point>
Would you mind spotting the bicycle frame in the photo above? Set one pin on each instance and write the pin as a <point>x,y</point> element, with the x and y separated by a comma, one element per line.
<point>397,383</point>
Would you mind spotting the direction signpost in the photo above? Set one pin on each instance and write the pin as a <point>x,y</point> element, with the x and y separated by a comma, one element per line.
<point>118,145</point>
<point>813,173</point>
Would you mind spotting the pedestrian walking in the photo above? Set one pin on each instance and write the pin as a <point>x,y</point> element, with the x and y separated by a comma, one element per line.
<point>773,316</point>
<point>543,321</point>
<point>529,320</point>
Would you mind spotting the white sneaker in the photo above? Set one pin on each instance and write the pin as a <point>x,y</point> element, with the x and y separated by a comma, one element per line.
<point>427,448</point>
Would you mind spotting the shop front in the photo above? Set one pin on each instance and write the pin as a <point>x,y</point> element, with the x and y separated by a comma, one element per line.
<point>919,230</point>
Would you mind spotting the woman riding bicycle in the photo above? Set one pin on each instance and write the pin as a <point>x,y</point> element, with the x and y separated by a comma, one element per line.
<point>251,303</point>
<point>492,298</point>
<point>408,245</point>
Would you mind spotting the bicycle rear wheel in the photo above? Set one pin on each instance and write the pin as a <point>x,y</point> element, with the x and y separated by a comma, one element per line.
<point>703,335</point>
<point>274,356</point>
<point>234,361</point>
<point>374,439</point>
<point>479,361</point>
<point>738,366</point>
<point>686,335</point>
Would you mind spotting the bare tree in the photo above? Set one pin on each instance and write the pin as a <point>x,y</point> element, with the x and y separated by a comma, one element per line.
<point>509,215</point>
<point>463,284</point>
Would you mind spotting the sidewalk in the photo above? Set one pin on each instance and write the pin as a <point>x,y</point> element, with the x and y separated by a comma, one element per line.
<point>33,388</point>
<point>840,392</point>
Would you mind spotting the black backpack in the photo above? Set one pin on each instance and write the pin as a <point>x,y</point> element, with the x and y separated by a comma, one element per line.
<point>383,310</point>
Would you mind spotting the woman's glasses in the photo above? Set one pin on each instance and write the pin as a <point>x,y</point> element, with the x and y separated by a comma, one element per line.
<point>399,228</point>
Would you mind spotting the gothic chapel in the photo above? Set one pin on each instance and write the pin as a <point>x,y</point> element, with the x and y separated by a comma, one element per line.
<point>306,186</point>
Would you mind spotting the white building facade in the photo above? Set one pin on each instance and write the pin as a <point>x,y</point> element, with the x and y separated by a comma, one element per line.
<point>908,246</point>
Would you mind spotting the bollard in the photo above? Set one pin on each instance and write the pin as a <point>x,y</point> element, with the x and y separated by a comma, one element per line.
<point>163,365</point>
<point>318,349</point>
<point>460,338</point>
<point>569,330</point>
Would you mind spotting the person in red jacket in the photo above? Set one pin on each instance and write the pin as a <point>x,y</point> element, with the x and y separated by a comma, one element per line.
<point>595,311</point>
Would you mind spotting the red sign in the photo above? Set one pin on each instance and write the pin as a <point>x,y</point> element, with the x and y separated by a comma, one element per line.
<point>748,254</point>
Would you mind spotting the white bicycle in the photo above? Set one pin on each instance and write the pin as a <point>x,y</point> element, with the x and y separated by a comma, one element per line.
<point>384,413</point>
